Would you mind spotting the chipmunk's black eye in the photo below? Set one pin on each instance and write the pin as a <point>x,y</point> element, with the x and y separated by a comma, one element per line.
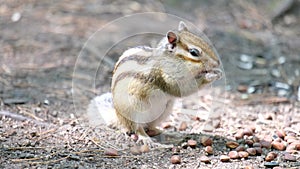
<point>194,52</point>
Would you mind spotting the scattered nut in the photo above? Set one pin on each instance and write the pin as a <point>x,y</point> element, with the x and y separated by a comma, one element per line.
<point>175,159</point>
<point>248,132</point>
<point>209,150</point>
<point>111,152</point>
<point>240,148</point>
<point>205,159</point>
<point>270,157</point>
<point>265,144</point>
<point>192,143</point>
<point>278,145</point>
<point>251,151</point>
<point>289,157</point>
<point>144,148</point>
<point>232,144</point>
<point>243,154</point>
<point>281,133</point>
<point>206,141</point>
<point>224,158</point>
<point>183,126</point>
<point>233,155</point>
<point>135,150</point>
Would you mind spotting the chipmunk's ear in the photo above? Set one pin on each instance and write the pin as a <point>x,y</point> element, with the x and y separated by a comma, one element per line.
<point>172,37</point>
<point>182,26</point>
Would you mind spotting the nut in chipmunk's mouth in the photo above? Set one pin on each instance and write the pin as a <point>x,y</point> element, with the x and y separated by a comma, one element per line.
<point>210,75</point>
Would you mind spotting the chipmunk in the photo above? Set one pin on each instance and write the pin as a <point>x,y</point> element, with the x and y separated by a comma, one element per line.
<point>146,81</point>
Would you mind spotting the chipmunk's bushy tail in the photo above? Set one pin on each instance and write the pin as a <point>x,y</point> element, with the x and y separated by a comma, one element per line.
<point>101,111</point>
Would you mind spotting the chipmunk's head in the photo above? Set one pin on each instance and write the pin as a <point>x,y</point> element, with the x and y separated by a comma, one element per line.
<point>198,56</point>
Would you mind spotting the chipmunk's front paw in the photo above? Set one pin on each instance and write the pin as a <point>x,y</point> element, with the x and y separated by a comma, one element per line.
<point>148,141</point>
<point>153,132</point>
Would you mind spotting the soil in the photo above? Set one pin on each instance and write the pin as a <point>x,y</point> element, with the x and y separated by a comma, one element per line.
<point>45,87</point>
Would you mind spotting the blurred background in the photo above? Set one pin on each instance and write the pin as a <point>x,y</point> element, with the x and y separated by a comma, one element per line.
<point>258,43</point>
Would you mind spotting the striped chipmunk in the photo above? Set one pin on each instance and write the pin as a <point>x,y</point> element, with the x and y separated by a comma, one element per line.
<point>146,81</point>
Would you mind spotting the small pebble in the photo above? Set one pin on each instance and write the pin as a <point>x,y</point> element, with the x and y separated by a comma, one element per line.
<point>233,154</point>
<point>249,167</point>
<point>16,17</point>
<point>232,144</point>
<point>289,157</point>
<point>224,158</point>
<point>135,150</point>
<point>251,151</point>
<point>183,126</point>
<point>175,159</point>
<point>206,141</point>
<point>111,152</point>
<point>243,154</point>
<point>209,150</point>
<point>192,143</point>
<point>278,145</point>
<point>271,164</point>
<point>204,159</point>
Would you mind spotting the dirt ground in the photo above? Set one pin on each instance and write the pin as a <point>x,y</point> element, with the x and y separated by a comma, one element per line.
<point>45,87</point>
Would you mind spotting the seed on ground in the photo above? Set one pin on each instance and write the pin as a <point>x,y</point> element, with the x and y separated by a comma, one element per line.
<point>176,150</point>
<point>239,135</point>
<point>289,157</point>
<point>175,159</point>
<point>224,158</point>
<point>243,154</point>
<point>251,151</point>
<point>206,141</point>
<point>240,148</point>
<point>192,143</point>
<point>278,145</point>
<point>256,145</point>
<point>144,148</point>
<point>281,133</point>
<point>232,144</point>
<point>265,144</point>
<point>233,154</point>
<point>205,159</point>
<point>209,150</point>
<point>135,150</point>
<point>111,152</point>
<point>270,157</point>
<point>248,131</point>
<point>249,142</point>
<point>183,126</point>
